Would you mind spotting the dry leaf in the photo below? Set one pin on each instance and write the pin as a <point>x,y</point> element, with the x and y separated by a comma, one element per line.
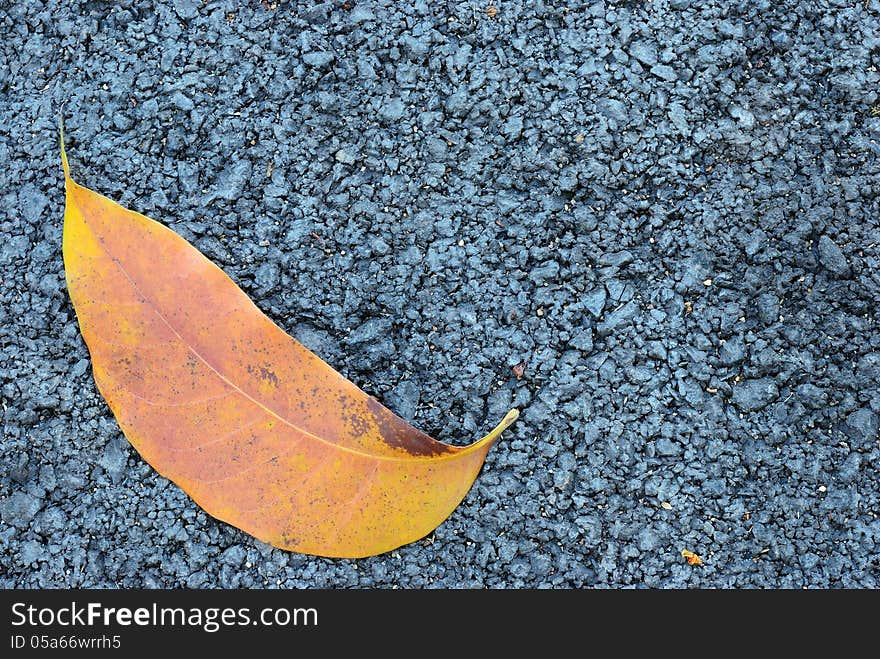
<point>691,557</point>
<point>254,427</point>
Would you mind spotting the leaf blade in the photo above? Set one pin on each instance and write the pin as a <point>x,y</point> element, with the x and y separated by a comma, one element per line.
<point>318,465</point>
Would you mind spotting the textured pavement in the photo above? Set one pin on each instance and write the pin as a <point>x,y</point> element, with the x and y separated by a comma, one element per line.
<point>651,226</point>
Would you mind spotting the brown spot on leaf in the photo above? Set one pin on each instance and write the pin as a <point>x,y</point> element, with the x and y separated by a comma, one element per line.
<point>359,426</point>
<point>398,433</point>
<point>266,374</point>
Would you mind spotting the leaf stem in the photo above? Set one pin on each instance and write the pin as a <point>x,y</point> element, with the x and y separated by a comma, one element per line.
<point>63,152</point>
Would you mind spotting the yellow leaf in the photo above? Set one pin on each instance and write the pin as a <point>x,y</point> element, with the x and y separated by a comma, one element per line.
<point>257,429</point>
<point>691,557</point>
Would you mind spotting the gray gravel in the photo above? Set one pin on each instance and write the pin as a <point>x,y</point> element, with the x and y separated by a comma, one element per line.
<point>664,214</point>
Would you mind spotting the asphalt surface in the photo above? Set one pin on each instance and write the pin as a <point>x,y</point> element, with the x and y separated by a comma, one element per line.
<point>651,226</point>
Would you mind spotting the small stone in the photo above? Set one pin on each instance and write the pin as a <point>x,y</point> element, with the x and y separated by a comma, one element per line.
<point>19,468</point>
<point>513,127</point>
<point>392,110</point>
<point>344,157</point>
<point>812,396</point>
<point>665,72</point>
<point>831,257</point>
<point>114,460</point>
<point>583,341</point>
<point>19,509</point>
<point>186,9</point>
<point>318,59</point>
<point>780,39</point>
<point>404,399</point>
<point>232,180</point>
<point>618,317</point>
<point>182,101</point>
<point>541,565</point>
<point>379,246</point>
<point>436,148</point>
<point>753,395</point>
<point>613,109</point>
<point>362,14</point>
<point>732,351</point>
<point>850,467</point>
<point>680,118</point>
<point>647,539</point>
<point>328,101</point>
<point>31,552</point>
<point>546,273</point>
<point>317,13</point>
<point>643,52</point>
<point>233,556</point>
<point>862,426</point>
<point>617,259</point>
<point>743,116</point>
<point>768,307</point>
<point>370,331</point>
<point>665,446</point>
<point>594,301</point>
<point>33,203</point>
<point>267,276</point>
